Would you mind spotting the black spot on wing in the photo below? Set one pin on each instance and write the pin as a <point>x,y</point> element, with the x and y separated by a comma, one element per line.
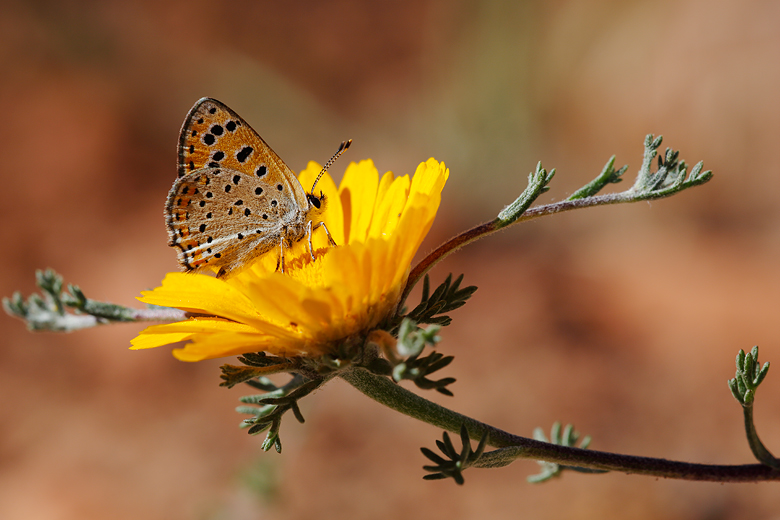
<point>244,154</point>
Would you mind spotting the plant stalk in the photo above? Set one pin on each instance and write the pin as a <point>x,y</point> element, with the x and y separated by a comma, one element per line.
<point>384,391</point>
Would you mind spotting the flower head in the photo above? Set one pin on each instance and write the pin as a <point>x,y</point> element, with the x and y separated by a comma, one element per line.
<point>314,306</point>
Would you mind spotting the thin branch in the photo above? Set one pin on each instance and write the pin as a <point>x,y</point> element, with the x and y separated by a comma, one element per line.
<point>48,311</point>
<point>384,391</point>
<point>670,177</point>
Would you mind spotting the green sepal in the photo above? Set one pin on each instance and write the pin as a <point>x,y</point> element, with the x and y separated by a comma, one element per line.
<point>413,339</point>
<point>454,462</point>
<point>271,406</point>
<point>446,298</point>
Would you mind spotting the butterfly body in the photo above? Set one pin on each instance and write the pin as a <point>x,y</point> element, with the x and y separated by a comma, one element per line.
<point>235,199</point>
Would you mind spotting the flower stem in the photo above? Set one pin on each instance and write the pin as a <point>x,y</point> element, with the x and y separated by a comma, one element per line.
<point>671,177</point>
<point>488,228</point>
<point>444,250</point>
<point>384,391</point>
<point>756,446</point>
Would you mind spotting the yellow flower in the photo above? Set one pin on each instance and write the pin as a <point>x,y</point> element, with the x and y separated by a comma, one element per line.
<point>314,306</point>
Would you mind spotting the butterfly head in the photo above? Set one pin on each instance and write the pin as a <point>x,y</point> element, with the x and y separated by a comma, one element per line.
<point>315,201</point>
<point>317,205</point>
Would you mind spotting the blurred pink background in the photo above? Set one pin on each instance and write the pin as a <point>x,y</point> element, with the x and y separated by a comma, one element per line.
<point>623,320</point>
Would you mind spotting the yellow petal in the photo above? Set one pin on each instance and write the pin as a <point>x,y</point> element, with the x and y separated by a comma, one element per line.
<point>429,178</point>
<point>389,209</point>
<point>165,334</point>
<point>357,193</point>
<point>197,326</point>
<point>411,231</point>
<point>202,294</point>
<point>152,340</point>
<point>222,344</point>
<point>384,185</point>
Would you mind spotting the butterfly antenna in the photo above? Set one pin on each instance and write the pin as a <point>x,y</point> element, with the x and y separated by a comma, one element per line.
<point>342,148</point>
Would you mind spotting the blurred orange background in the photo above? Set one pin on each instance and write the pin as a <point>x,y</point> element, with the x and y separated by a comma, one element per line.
<point>624,320</point>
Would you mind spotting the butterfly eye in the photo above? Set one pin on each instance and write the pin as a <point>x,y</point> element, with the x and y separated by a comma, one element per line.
<point>313,200</point>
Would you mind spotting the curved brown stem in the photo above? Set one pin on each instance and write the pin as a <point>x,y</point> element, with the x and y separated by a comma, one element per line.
<point>394,396</point>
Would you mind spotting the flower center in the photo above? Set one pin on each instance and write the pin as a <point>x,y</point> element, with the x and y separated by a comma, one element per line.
<point>306,270</point>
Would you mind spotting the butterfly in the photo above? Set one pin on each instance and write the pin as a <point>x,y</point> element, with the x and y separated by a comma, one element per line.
<point>235,199</point>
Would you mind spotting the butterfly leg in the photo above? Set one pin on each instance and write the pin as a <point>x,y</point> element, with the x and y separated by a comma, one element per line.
<point>280,260</point>
<point>309,231</point>
<point>308,236</point>
<point>327,233</point>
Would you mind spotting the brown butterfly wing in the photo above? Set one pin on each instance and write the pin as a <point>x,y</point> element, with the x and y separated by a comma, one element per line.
<point>214,136</point>
<point>223,218</point>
